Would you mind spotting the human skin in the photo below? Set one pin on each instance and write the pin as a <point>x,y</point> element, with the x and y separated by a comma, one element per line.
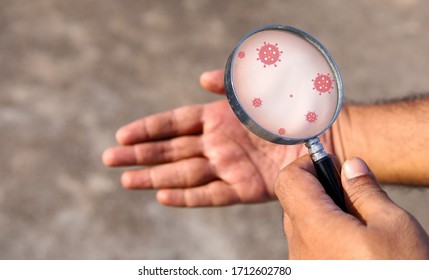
<point>193,159</point>
<point>373,228</point>
<point>391,137</point>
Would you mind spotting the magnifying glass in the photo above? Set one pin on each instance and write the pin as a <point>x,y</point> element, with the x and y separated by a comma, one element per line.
<point>284,86</point>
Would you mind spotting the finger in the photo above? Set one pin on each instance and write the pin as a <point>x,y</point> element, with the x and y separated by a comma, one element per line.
<point>364,197</point>
<point>154,152</point>
<point>182,174</point>
<point>300,193</point>
<point>287,226</point>
<point>216,193</point>
<point>213,81</point>
<point>181,121</point>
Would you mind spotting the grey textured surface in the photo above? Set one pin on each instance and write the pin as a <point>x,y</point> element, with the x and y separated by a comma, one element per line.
<point>72,72</point>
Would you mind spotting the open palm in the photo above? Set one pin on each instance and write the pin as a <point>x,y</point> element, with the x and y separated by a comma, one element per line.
<point>199,155</point>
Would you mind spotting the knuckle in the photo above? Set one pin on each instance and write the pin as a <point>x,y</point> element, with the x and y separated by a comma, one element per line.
<point>283,185</point>
<point>283,178</point>
<point>139,154</point>
<point>363,188</point>
<point>360,181</point>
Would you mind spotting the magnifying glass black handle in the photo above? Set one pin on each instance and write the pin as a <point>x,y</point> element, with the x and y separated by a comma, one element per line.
<point>329,177</point>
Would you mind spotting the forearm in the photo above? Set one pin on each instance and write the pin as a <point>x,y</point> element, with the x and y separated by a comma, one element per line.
<point>391,137</point>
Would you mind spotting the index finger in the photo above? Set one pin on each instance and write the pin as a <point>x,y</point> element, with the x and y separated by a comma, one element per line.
<point>300,192</point>
<point>180,121</point>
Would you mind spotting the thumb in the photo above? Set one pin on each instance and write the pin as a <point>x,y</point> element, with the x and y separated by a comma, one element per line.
<point>364,197</point>
<point>213,81</point>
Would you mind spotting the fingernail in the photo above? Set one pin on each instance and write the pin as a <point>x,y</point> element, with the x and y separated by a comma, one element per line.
<point>355,167</point>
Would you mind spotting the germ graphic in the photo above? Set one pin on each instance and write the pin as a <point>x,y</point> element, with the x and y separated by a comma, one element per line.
<point>282,131</point>
<point>241,54</point>
<point>323,83</point>
<point>257,102</point>
<point>311,117</point>
<point>269,54</point>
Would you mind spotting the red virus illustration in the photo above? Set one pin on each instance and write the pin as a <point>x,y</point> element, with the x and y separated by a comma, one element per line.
<point>323,83</point>
<point>282,131</point>
<point>241,54</point>
<point>311,117</point>
<point>269,54</point>
<point>257,102</point>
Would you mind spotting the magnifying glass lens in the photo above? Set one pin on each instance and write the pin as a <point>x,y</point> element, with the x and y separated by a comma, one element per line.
<point>284,84</point>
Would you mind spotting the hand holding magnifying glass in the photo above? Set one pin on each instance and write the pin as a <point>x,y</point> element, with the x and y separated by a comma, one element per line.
<point>283,85</point>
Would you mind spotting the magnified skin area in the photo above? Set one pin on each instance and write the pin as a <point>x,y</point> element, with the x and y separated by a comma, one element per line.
<point>284,84</point>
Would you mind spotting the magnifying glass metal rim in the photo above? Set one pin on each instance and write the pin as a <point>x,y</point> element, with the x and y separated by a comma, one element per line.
<point>246,119</point>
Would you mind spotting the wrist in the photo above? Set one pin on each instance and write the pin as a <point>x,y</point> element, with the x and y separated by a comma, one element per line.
<point>338,133</point>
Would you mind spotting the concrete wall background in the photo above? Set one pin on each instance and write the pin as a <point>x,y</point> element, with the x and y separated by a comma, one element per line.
<point>72,72</point>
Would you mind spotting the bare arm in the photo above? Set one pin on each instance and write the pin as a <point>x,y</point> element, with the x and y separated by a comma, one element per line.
<point>391,137</point>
